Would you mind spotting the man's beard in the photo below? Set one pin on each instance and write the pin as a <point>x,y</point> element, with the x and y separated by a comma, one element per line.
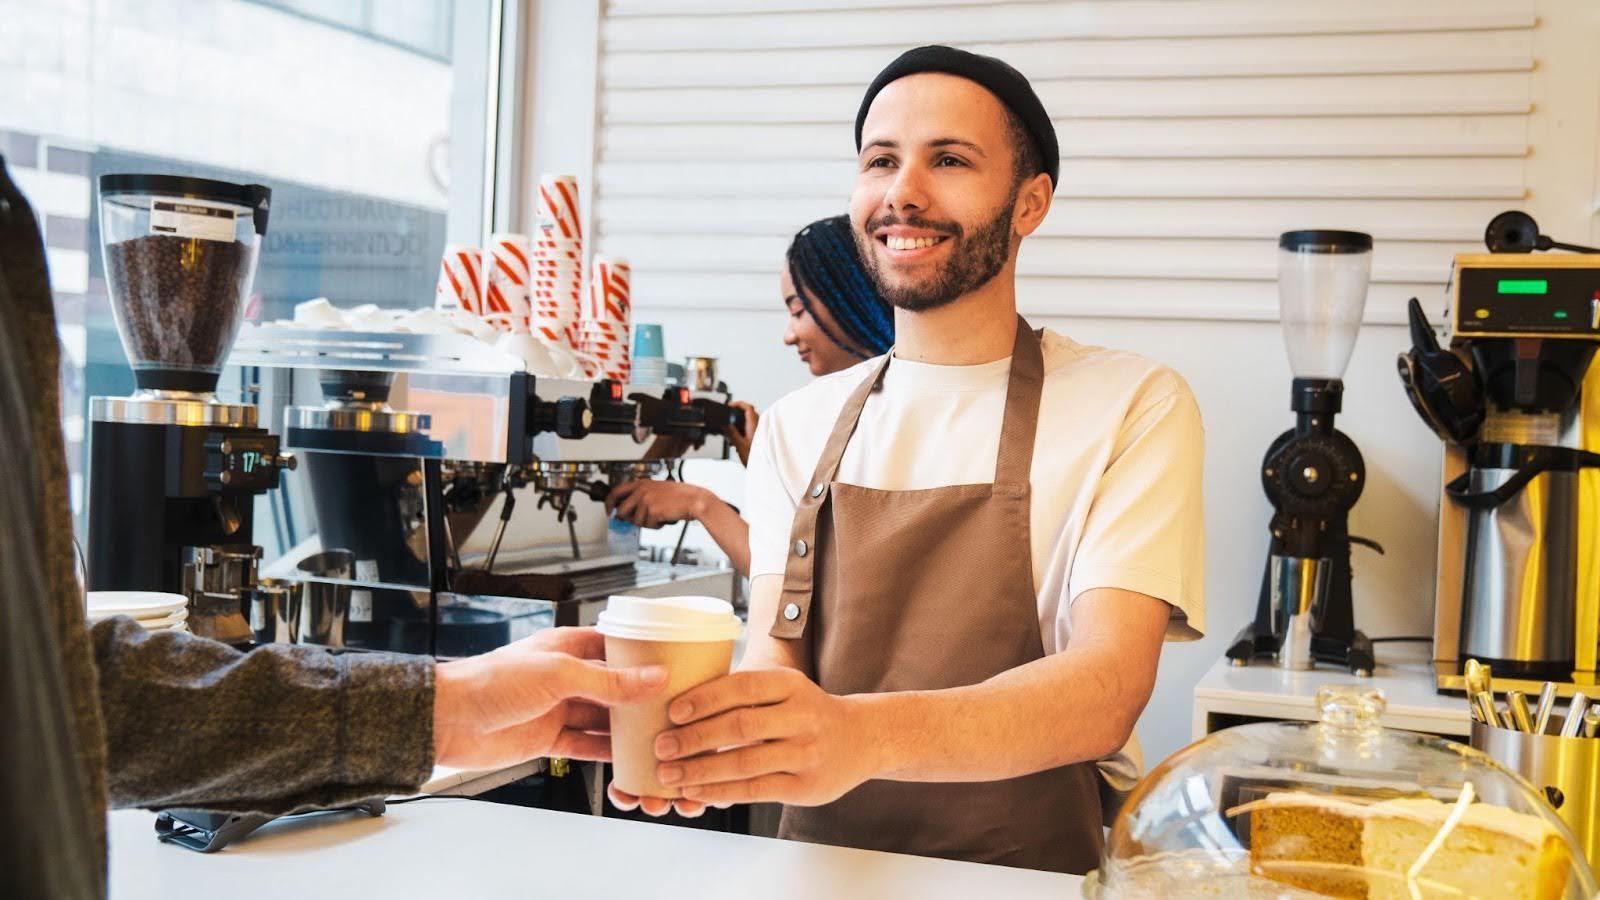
<point>973,264</point>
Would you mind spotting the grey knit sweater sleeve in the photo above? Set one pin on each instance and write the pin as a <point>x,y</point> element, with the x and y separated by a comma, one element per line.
<point>194,723</point>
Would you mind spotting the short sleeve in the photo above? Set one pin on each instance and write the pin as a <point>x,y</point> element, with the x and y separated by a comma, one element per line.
<point>1145,529</point>
<point>769,504</point>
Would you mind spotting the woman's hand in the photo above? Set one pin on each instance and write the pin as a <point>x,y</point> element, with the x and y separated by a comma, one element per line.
<point>741,438</point>
<point>649,503</point>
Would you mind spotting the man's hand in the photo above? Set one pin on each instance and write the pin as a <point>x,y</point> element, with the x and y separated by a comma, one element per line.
<point>545,695</point>
<point>741,438</point>
<point>649,503</point>
<point>787,741</point>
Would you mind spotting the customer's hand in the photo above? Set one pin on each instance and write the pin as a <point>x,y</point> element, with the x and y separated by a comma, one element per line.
<point>545,695</point>
<point>761,735</point>
<point>741,438</point>
<point>650,503</point>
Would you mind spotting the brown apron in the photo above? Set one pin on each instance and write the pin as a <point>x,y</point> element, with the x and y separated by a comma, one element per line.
<point>924,590</point>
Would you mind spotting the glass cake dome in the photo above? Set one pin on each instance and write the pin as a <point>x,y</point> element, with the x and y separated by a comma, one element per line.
<point>1337,808</point>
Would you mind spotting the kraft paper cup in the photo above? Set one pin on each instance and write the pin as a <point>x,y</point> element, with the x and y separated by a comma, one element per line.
<point>693,637</point>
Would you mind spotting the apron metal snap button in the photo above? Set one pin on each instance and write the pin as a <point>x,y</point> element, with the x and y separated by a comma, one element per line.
<point>817,489</point>
<point>800,548</point>
<point>791,612</point>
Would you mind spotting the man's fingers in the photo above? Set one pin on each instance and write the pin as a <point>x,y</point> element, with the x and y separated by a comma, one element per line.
<point>742,764</point>
<point>653,806</point>
<point>600,684</point>
<point>779,788</point>
<point>622,801</point>
<point>745,725</point>
<point>754,687</point>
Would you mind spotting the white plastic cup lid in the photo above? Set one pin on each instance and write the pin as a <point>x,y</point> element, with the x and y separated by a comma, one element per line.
<point>683,619</point>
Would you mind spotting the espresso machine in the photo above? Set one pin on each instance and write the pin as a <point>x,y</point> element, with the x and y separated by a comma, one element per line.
<point>1515,399</point>
<point>174,471</point>
<point>1313,473</point>
<point>450,500</point>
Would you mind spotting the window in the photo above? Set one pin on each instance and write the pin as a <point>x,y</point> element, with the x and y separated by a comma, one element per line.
<point>366,118</point>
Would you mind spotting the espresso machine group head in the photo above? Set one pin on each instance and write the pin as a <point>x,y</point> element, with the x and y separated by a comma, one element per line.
<point>1516,402</point>
<point>1312,473</point>
<point>173,471</point>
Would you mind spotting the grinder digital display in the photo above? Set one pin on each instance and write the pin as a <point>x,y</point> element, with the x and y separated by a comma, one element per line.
<point>1523,286</point>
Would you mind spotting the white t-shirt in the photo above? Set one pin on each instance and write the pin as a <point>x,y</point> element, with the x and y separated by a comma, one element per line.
<point>1116,469</point>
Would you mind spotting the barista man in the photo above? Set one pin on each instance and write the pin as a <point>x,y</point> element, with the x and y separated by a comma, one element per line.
<point>966,554</point>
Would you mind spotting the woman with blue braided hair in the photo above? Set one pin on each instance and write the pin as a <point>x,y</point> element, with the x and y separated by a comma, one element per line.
<point>836,319</point>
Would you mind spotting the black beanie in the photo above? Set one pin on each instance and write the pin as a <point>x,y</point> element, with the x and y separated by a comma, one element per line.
<point>1008,85</point>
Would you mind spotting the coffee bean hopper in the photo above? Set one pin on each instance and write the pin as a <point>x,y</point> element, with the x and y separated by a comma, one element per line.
<point>173,471</point>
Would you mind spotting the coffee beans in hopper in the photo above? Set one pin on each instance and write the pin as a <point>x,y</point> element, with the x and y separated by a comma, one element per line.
<point>180,298</point>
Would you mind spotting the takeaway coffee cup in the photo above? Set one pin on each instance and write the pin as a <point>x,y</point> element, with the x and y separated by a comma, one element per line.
<point>693,637</point>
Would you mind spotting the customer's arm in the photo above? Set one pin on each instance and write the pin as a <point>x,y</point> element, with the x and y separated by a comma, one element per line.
<point>192,722</point>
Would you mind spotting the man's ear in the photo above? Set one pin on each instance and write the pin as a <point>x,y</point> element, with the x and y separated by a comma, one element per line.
<point>1033,204</point>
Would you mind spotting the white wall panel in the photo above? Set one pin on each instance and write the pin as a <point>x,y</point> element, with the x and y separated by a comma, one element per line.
<point>985,22</point>
<point>1213,121</point>
<point>1059,57</point>
<point>1193,132</point>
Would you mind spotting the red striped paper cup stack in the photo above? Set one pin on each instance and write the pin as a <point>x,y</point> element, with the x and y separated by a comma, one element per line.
<point>460,274</point>
<point>603,330</point>
<point>507,283</point>
<point>557,260</point>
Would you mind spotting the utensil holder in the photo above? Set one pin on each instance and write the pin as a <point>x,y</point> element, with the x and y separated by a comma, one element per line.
<point>275,611</point>
<point>1565,771</point>
<point>325,605</point>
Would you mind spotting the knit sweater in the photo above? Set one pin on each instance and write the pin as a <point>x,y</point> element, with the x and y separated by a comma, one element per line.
<point>115,715</point>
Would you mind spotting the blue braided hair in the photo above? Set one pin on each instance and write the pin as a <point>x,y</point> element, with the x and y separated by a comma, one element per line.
<point>825,265</point>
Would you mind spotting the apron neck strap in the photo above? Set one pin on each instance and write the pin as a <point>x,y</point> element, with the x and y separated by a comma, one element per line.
<point>1014,462</point>
<point>845,425</point>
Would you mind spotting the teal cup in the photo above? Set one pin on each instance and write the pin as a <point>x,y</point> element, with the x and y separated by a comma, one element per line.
<point>647,342</point>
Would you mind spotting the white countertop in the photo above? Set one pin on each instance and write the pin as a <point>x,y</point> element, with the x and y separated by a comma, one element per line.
<point>1266,691</point>
<point>469,848</point>
<point>470,782</point>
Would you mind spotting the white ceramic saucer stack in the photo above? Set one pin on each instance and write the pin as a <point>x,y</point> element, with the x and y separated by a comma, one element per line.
<point>154,611</point>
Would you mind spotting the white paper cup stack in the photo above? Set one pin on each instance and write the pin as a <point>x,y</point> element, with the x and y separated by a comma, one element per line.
<point>557,260</point>
<point>603,330</point>
<point>648,365</point>
<point>507,287</point>
<point>460,277</point>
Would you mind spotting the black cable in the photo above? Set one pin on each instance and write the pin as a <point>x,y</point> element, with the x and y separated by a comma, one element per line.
<point>1405,639</point>
<point>422,797</point>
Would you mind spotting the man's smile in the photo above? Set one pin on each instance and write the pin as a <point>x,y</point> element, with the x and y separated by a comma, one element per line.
<point>905,244</point>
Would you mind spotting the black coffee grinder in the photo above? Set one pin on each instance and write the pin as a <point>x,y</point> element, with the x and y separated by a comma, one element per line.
<point>1313,473</point>
<point>173,472</point>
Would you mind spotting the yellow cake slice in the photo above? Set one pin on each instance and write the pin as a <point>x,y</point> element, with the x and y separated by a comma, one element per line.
<point>1353,848</point>
<point>1312,841</point>
<point>1491,853</point>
